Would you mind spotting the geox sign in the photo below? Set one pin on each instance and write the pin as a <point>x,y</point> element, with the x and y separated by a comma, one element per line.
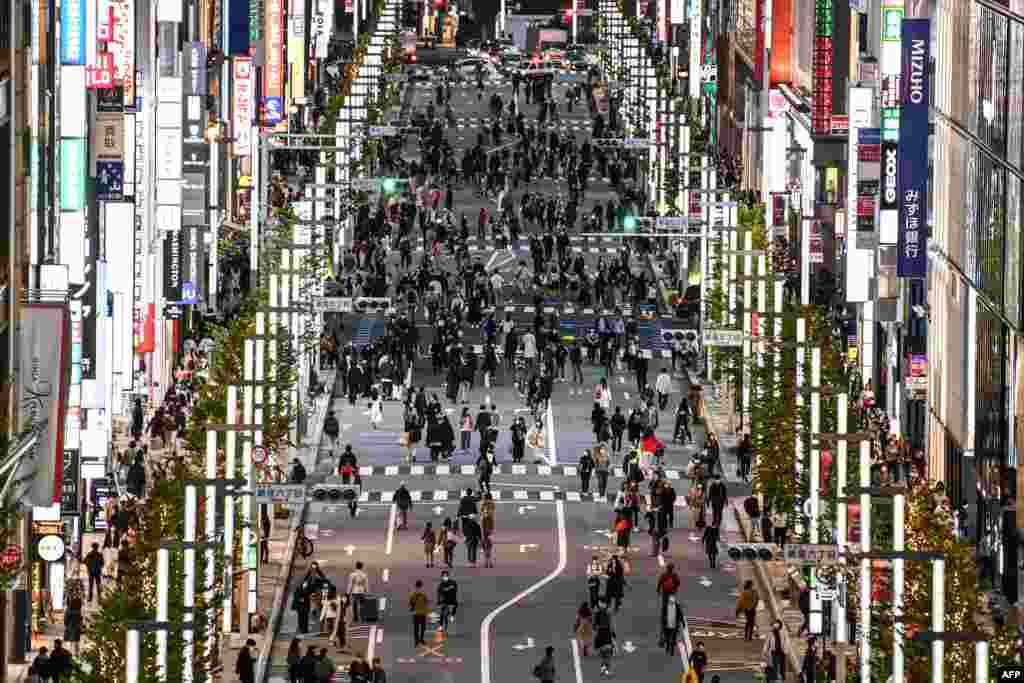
<point>889,168</point>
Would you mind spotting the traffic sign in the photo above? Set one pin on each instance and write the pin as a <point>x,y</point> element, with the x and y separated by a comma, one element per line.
<point>811,554</point>
<point>383,131</point>
<point>51,548</point>
<point>671,222</point>
<point>332,304</point>
<point>364,184</point>
<point>291,494</point>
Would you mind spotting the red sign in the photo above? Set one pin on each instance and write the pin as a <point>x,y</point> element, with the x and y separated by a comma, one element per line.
<point>869,153</point>
<point>840,124</point>
<point>866,206</point>
<point>821,112</point>
<point>104,22</point>
<point>100,76</point>
<point>10,558</point>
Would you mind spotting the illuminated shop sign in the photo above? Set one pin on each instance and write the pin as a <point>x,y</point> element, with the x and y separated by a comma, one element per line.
<point>101,75</point>
<point>821,112</point>
<point>274,74</point>
<point>72,33</point>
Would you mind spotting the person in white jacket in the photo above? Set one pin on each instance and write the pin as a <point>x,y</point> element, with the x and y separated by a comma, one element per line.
<point>663,385</point>
<point>358,584</point>
<point>603,395</point>
<point>376,411</point>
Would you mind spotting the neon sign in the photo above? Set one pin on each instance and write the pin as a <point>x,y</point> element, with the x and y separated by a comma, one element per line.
<point>821,112</point>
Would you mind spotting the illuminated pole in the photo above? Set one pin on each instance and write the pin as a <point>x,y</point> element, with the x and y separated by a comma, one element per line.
<point>189,573</point>
<point>572,13</point>
<point>210,549</point>
<point>865,565</point>
<point>898,539</point>
<point>938,617</point>
<point>229,512</point>
<point>133,646</point>
<point>842,421</point>
<point>163,579</point>
<point>748,305</point>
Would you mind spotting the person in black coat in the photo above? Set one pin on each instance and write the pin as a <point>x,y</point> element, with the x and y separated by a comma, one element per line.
<point>471,530</point>
<point>245,666</point>
<point>307,665</point>
<point>136,478</point>
<point>447,437</point>
<point>710,542</point>
<point>586,468</point>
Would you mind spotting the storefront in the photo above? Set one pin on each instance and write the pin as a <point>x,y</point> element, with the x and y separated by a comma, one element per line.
<point>46,570</point>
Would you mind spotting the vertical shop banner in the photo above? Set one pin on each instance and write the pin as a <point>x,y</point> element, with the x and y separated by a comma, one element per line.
<point>297,50</point>
<point>108,155</point>
<point>821,109</point>
<point>195,157</point>
<point>273,79</point>
<point>243,96</point>
<point>122,47</point>
<point>72,33</point>
<point>913,151</point>
<point>72,174</point>
<point>41,394</point>
<point>172,267</point>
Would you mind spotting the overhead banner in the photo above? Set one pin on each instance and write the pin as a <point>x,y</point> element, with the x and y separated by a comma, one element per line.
<point>43,352</point>
<point>243,91</point>
<point>274,70</point>
<point>913,151</point>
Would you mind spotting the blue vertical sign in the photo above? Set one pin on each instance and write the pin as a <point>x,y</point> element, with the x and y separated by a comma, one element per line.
<point>72,32</point>
<point>912,175</point>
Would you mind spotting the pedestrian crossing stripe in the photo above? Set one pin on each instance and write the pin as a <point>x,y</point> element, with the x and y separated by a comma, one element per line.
<point>441,495</point>
<point>481,120</point>
<point>527,470</point>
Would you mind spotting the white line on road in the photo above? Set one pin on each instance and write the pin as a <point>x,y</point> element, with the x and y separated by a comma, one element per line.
<point>576,660</point>
<point>485,627</point>
<point>371,645</point>
<point>380,637</point>
<point>391,529</point>
<point>385,575</point>
<point>529,486</point>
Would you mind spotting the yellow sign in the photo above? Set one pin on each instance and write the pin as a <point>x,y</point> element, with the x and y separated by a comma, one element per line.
<point>851,354</point>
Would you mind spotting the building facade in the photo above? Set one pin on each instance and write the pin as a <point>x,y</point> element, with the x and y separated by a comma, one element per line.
<point>975,350</point>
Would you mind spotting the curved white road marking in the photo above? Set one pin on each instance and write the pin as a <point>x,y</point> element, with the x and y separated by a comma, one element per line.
<point>485,627</point>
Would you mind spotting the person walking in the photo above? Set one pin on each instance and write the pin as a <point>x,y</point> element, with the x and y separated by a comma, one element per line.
<point>545,670</point>
<point>446,542</point>
<point>710,541</point>
<point>245,665</point>
<point>744,455</point>
<point>668,585</point>
<point>602,466</point>
<point>681,433</point>
<point>583,629</point>
<point>488,514</point>
<point>429,543</point>
<point>466,430</point>
<point>585,468</point>
<point>718,498</point>
<point>663,385</point>
<point>294,658</point>
<point>358,585</point>
<point>774,652</point>
<point>403,503</point>
<point>746,604</point>
<point>670,625</point>
<point>94,568</point>
<point>419,607</point>
<point>376,410</point>
<point>377,673</point>
<point>809,666</point>
<point>604,638</point>
<point>699,660</point>
<point>471,530</point>
<point>518,430</point>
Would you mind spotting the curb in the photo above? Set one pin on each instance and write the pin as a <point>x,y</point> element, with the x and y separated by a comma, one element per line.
<point>280,594</point>
<point>764,586</point>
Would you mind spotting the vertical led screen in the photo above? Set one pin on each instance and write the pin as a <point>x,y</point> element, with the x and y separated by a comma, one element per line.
<point>821,110</point>
<point>912,176</point>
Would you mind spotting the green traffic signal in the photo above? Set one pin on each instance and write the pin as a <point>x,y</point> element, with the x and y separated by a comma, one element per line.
<point>629,223</point>
<point>389,185</point>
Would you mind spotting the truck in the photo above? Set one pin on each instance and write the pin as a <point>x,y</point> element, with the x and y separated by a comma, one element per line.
<point>546,40</point>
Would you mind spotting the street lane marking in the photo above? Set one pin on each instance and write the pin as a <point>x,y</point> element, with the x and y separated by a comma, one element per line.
<point>485,627</point>
<point>576,660</point>
<point>391,529</point>
<point>385,575</point>
<point>371,646</point>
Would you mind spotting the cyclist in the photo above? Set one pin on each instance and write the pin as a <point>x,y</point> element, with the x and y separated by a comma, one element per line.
<point>447,599</point>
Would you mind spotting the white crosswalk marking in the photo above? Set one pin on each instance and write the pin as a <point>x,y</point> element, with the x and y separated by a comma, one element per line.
<point>547,495</point>
<point>519,495</point>
<point>387,496</point>
<point>572,496</point>
<point>416,495</point>
<point>440,495</point>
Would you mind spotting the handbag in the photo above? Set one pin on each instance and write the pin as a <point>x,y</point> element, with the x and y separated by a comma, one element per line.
<point>403,439</point>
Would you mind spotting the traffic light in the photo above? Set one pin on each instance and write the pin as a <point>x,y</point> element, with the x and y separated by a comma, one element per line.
<point>765,552</point>
<point>332,493</point>
<point>388,185</point>
<point>568,16</point>
<point>630,223</point>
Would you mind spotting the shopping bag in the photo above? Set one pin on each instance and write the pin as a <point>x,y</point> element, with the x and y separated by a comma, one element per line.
<point>403,439</point>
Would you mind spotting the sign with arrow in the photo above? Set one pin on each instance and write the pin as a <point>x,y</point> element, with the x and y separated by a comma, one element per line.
<point>523,547</point>
<point>528,645</point>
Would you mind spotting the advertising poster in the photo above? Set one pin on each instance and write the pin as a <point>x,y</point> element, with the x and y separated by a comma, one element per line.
<point>42,341</point>
<point>912,192</point>
<point>274,68</point>
<point>243,91</point>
